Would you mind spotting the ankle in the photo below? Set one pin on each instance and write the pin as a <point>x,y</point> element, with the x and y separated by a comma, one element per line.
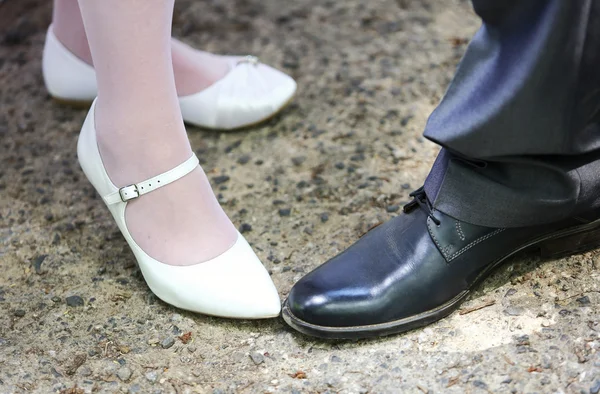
<point>135,147</point>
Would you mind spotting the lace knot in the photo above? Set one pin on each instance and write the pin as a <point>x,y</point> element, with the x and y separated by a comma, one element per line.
<point>420,200</point>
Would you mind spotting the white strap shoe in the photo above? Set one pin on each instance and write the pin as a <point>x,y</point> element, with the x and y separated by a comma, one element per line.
<point>234,284</point>
<point>249,94</point>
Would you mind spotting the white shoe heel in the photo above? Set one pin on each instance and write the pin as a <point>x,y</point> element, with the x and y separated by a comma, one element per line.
<point>250,93</point>
<point>234,284</point>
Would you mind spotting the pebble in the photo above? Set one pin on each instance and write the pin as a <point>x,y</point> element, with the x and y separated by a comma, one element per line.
<point>514,311</point>
<point>336,359</point>
<point>233,146</point>
<point>595,389</point>
<point>324,217</point>
<point>74,300</point>
<point>245,227</point>
<point>285,212</point>
<point>257,358</point>
<point>405,120</point>
<point>191,349</point>
<point>585,300</point>
<point>37,263</point>
<point>135,389</point>
<point>400,154</point>
<point>564,312</point>
<point>19,313</point>
<point>480,384</point>
<point>167,342</point>
<point>244,159</point>
<point>151,376</point>
<point>220,179</point>
<point>393,208</point>
<point>339,165</point>
<point>297,161</point>
<point>84,371</point>
<point>510,292</point>
<point>291,63</point>
<point>55,299</point>
<point>55,373</point>
<point>124,374</point>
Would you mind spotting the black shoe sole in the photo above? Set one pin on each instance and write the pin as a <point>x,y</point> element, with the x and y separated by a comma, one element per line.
<point>565,242</point>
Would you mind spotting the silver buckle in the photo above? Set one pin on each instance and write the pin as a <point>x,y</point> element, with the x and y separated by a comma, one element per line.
<point>129,193</point>
<point>253,60</point>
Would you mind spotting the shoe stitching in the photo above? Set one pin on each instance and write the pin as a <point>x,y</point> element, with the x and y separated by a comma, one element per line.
<point>469,246</point>
<point>441,249</point>
<point>447,249</point>
<point>461,235</point>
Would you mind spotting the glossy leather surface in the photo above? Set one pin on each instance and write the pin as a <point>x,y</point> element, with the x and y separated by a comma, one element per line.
<point>234,284</point>
<point>406,267</point>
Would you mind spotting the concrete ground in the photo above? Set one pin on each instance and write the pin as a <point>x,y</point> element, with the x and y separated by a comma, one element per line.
<point>77,317</point>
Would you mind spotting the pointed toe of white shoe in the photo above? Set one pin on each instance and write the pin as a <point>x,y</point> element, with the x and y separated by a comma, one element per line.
<point>234,284</point>
<point>249,94</point>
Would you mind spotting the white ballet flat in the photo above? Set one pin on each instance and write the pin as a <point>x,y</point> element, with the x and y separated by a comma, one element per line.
<point>250,93</point>
<point>234,284</point>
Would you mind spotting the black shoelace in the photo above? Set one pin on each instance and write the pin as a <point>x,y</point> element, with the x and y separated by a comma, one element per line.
<point>420,200</point>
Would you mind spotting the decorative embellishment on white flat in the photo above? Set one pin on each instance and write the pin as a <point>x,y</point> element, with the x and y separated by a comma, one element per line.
<point>249,59</point>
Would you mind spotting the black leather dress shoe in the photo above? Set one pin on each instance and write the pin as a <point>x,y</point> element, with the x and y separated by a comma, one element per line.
<point>417,268</point>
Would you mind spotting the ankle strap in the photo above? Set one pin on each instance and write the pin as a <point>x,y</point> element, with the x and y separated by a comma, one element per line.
<point>131,192</point>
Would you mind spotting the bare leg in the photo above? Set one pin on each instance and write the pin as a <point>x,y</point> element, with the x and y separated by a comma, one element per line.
<point>141,134</point>
<point>194,70</point>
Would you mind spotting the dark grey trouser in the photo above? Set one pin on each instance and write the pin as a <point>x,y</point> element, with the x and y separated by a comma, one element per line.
<point>520,123</point>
